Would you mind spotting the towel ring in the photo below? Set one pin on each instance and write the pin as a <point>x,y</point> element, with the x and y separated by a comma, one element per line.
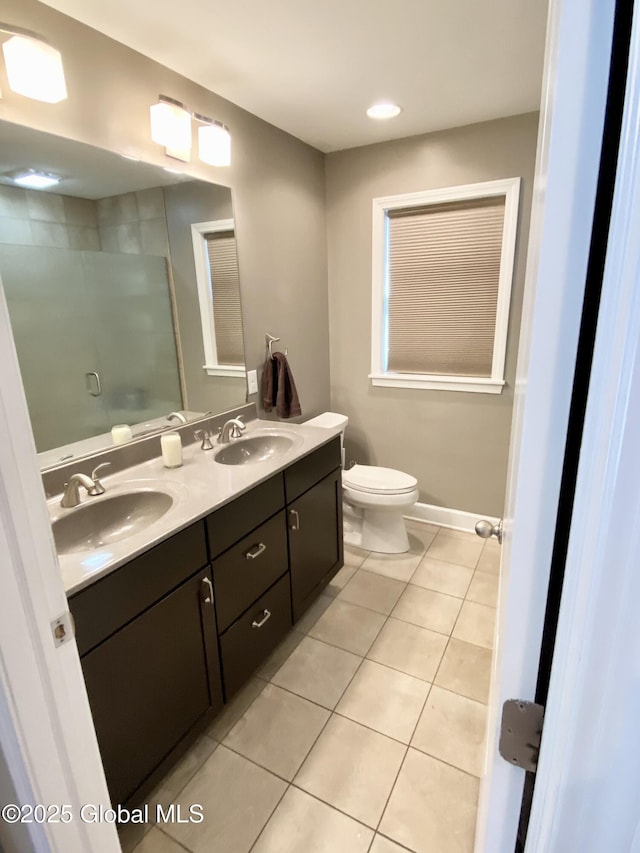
<point>271,340</point>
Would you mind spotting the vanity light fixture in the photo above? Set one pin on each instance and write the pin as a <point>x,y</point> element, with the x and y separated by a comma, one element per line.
<point>34,67</point>
<point>214,141</point>
<point>384,110</point>
<point>171,127</point>
<point>34,180</point>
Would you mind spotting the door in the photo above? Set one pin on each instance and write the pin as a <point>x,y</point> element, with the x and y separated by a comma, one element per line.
<point>53,327</point>
<point>151,682</point>
<point>315,535</point>
<point>569,155</point>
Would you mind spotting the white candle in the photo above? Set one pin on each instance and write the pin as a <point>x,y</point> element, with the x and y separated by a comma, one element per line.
<point>171,450</point>
<point>120,433</point>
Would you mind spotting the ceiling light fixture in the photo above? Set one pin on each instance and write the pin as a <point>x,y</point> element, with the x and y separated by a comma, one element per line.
<point>34,67</point>
<point>384,110</point>
<point>214,141</point>
<point>171,127</point>
<point>34,180</point>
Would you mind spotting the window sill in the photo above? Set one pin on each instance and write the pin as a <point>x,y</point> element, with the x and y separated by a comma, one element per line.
<point>427,382</point>
<point>236,370</point>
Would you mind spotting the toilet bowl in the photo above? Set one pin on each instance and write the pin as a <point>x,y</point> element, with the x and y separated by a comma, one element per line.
<point>374,499</point>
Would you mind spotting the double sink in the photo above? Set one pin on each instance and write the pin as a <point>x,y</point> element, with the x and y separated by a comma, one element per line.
<point>99,523</point>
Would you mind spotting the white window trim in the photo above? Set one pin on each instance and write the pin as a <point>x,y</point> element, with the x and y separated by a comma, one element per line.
<point>205,297</point>
<point>510,189</point>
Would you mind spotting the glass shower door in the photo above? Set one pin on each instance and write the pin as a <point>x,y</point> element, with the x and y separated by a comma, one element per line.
<point>134,334</point>
<point>53,323</point>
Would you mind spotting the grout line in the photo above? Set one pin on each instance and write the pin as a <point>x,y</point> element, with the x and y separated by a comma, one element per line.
<point>335,808</point>
<point>175,840</point>
<point>271,814</point>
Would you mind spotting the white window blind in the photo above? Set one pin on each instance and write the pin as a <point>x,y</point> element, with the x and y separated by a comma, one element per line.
<point>225,287</point>
<point>443,276</point>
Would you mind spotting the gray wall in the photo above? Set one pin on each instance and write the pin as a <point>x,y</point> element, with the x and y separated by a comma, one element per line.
<point>455,443</point>
<point>186,204</point>
<point>278,182</point>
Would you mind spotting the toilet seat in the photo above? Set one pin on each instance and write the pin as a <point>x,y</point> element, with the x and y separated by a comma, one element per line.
<point>373,480</point>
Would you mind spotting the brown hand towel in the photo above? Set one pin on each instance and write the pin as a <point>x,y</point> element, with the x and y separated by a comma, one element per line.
<point>287,402</point>
<point>269,383</point>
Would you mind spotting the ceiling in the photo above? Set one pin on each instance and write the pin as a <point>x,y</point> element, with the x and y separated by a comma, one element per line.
<point>312,67</point>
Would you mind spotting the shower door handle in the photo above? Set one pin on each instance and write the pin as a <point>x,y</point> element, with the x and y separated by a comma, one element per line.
<point>94,386</point>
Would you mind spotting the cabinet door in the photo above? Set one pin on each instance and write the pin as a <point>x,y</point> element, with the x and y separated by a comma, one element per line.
<point>315,540</point>
<point>151,682</point>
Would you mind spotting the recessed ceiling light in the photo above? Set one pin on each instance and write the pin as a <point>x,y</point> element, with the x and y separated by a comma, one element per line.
<point>35,180</point>
<point>384,110</point>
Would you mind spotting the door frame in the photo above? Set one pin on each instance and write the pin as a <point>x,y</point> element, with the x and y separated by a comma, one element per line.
<point>572,116</point>
<point>585,797</point>
<point>47,739</point>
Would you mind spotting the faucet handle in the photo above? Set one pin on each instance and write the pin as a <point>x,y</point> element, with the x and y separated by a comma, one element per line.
<point>98,488</point>
<point>203,436</point>
<point>238,427</point>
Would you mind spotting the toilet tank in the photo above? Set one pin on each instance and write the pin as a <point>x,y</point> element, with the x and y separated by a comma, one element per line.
<point>331,420</point>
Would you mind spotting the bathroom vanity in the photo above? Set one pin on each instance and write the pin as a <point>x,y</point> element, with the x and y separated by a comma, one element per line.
<point>168,637</point>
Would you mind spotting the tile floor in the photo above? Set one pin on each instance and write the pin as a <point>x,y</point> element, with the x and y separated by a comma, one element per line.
<point>364,731</point>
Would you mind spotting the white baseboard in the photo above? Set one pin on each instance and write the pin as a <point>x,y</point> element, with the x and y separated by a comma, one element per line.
<point>456,519</point>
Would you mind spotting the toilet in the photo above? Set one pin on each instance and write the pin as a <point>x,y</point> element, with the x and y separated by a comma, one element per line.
<point>374,499</point>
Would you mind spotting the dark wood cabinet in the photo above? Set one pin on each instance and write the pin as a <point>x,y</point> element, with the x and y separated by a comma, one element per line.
<point>315,540</point>
<point>170,636</point>
<point>151,682</point>
<point>148,642</point>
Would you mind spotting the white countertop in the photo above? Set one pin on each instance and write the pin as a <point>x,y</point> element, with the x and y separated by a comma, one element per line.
<point>199,487</point>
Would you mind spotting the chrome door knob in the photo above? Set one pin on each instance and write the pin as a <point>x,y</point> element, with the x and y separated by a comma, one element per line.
<point>485,529</point>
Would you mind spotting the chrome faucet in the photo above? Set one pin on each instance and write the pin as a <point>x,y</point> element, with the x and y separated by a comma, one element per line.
<point>178,416</point>
<point>92,484</point>
<point>232,429</point>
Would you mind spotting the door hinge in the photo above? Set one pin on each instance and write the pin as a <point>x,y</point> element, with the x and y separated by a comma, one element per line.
<point>520,733</point>
<point>63,629</point>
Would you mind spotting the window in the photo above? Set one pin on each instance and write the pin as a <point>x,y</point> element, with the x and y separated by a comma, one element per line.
<point>442,272</point>
<point>214,246</point>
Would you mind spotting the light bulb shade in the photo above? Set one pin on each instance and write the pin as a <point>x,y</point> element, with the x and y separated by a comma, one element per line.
<point>214,145</point>
<point>171,125</point>
<point>34,69</point>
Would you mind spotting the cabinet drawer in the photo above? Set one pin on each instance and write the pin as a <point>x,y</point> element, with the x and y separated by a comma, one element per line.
<point>308,471</point>
<point>246,570</point>
<point>233,521</point>
<point>253,637</point>
<point>108,604</point>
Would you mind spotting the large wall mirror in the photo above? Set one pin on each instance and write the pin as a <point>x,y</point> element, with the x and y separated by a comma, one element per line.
<point>118,276</point>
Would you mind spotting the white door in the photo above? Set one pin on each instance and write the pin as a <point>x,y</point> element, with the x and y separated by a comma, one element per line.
<point>569,145</point>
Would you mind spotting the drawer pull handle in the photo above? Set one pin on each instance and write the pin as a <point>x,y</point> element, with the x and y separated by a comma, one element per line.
<point>207,589</point>
<point>295,523</point>
<point>266,615</point>
<point>255,551</point>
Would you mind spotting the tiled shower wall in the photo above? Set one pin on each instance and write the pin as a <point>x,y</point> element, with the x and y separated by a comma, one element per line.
<point>132,223</point>
<point>35,218</point>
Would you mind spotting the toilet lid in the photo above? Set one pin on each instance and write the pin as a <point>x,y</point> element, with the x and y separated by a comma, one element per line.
<point>370,478</point>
